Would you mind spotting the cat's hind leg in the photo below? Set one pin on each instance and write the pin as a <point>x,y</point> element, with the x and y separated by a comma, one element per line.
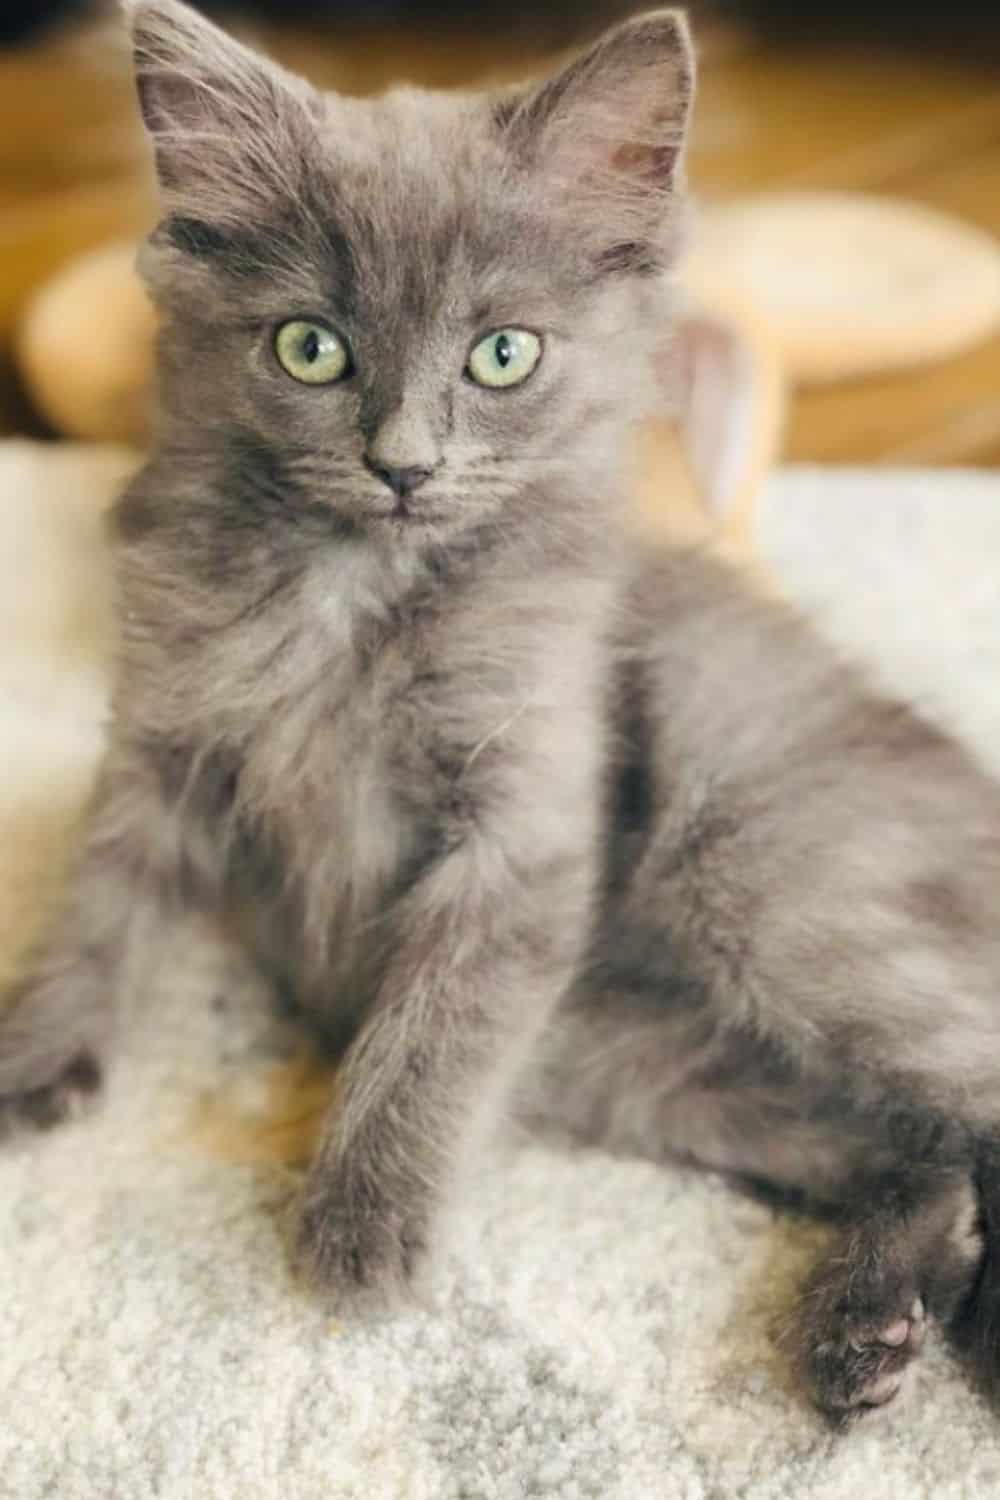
<point>903,1185</point>
<point>912,1253</point>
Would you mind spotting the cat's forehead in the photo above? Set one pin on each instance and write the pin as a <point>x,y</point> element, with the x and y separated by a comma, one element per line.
<point>423,199</point>
<point>421,129</point>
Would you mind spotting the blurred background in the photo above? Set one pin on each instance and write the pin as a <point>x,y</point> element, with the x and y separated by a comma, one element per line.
<point>795,97</point>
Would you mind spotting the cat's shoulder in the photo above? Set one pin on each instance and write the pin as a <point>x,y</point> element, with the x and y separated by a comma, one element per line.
<point>673,584</point>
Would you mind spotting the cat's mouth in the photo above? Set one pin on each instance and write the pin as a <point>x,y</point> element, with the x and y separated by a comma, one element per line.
<point>404,513</point>
<point>405,516</point>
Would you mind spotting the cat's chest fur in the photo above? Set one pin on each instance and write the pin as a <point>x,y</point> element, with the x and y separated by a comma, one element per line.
<point>339,786</point>
<point>352,762</point>
<point>359,714</point>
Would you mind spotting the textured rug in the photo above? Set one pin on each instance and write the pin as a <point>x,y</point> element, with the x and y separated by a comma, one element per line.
<point>607,1327</point>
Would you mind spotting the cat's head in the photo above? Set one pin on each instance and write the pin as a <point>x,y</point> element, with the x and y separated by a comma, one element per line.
<point>416,311</point>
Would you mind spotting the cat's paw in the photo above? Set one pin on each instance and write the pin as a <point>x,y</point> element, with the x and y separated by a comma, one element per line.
<point>361,1249</point>
<point>854,1357</point>
<point>69,1093</point>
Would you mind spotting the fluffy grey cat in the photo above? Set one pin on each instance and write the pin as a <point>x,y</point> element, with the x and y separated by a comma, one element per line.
<point>522,814</point>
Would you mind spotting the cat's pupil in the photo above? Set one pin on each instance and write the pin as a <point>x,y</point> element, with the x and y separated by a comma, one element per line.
<point>310,346</point>
<point>503,351</point>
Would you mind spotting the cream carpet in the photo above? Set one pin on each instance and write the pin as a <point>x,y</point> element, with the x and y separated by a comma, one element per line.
<point>606,1330</point>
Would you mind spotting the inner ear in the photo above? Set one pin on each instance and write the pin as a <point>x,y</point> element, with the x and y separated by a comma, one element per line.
<point>652,164</point>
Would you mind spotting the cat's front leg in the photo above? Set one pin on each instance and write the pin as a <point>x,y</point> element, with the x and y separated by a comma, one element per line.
<point>58,1022</point>
<point>487,950</point>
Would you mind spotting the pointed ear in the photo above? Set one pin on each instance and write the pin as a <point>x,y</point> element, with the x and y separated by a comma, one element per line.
<point>608,131</point>
<point>228,128</point>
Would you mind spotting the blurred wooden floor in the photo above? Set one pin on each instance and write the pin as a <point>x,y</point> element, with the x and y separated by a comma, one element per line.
<point>72,173</point>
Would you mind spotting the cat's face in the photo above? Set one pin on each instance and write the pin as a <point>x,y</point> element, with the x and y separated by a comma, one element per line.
<point>411,311</point>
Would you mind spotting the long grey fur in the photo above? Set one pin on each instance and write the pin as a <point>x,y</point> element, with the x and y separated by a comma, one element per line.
<point>522,816</point>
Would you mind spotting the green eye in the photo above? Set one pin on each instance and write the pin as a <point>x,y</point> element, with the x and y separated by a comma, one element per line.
<point>505,358</point>
<point>311,352</point>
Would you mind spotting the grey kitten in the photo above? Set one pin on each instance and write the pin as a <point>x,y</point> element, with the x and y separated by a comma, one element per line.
<point>521,815</point>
